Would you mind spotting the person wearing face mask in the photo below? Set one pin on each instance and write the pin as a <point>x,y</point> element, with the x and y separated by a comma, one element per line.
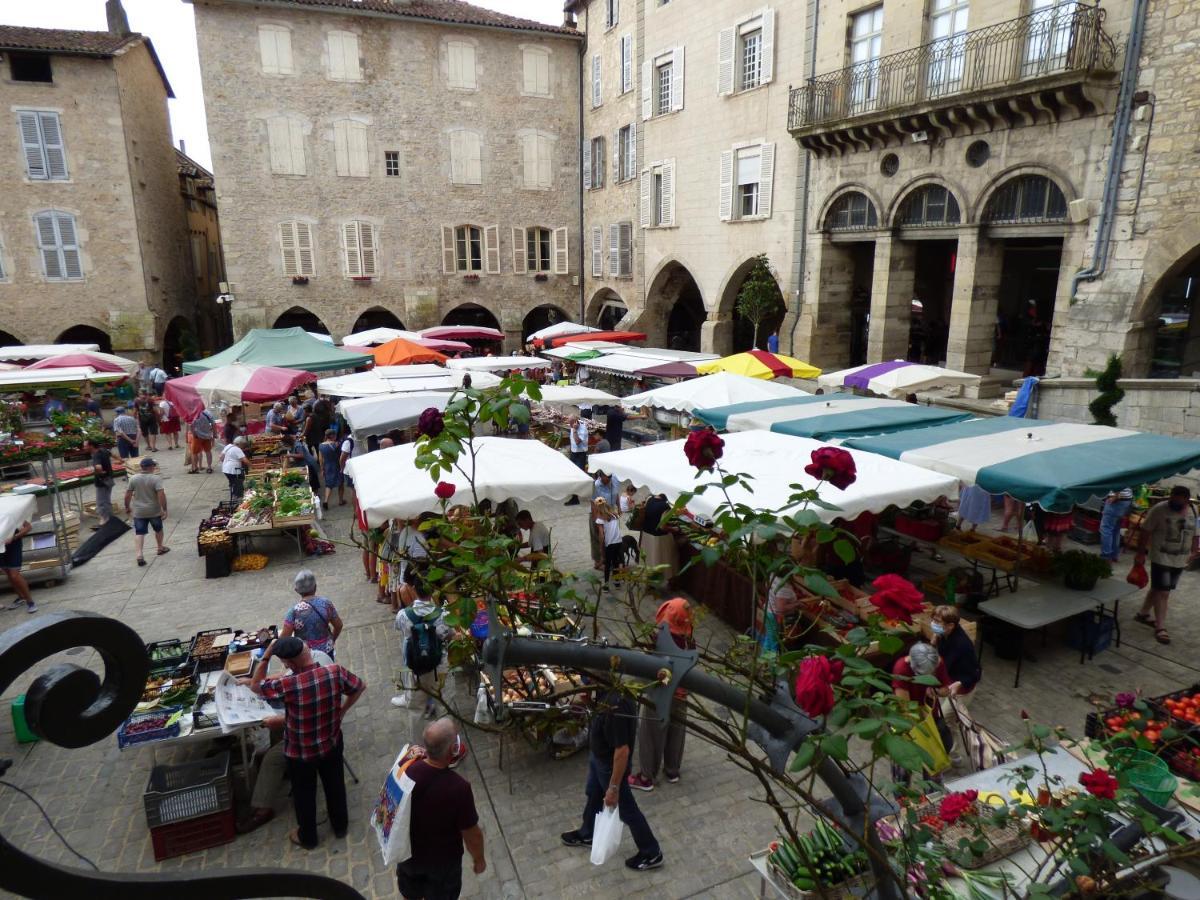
<point>957,651</point>
<point>1168,532</point>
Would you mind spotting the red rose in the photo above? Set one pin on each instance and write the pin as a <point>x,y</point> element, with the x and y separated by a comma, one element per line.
<point>1099,784</point>
<point>431,422</point>
<point>833,464</point>
<point>814,684</point>
<point>703,448</point>
<point>897,598</point>
<point>444,490</point>
<point>955,806</point>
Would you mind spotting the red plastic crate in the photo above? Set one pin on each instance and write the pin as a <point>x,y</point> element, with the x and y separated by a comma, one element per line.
<point>191,835</point>
<point>922,529</point>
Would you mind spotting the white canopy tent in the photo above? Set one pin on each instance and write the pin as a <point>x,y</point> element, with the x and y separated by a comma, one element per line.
<point>323,338</point>
<point>719,389</point>
<point>43,351</point>
<point>375,336</point>
<point>378,415</point>
<point>573,395</point>
<point>774,462</point>
<point>388,485</point>
<point>897,379</point>
<point>34,379</point>
<point>389,380</point>
<point>497,363</point>
<point>561,328</point>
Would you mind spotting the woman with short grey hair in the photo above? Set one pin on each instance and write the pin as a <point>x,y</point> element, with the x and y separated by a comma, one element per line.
<point>313,619</point>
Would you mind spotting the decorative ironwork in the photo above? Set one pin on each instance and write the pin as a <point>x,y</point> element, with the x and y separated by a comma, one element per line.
<point>72,707</point>
<point>1026,200</point>
<point>1067,38</point>
<point>929,206</point>
<point>853,211</point>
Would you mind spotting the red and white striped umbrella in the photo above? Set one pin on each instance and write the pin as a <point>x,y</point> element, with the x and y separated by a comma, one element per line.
<point>235,385</point>
<point>101,362</point>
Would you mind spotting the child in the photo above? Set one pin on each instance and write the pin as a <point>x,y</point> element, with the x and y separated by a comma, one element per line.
<point>608,528</point>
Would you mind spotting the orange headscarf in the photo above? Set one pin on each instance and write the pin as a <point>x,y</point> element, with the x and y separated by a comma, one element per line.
<point>677,613</point>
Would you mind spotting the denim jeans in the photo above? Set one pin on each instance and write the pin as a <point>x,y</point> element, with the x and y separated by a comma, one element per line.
<point>599,778</point>
<point>1110,527</point>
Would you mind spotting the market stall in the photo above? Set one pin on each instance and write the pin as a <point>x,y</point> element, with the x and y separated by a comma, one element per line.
<point>827,417</point>
<point>373,337</point>
<point>235,385</point>
<point>289,348</point>
<point>402,352</point>
<point>377,416</point>
<point>101,362</point>
<point>898,379</point>
<point>22,352</point>
<point>75,377</point>
<point>760,364</point>
<point>497,363</point>
<point>592,336</point>
<point>401,379</point>
<point>720,389</point>
<point>462,333</point>
<point>560,329</point>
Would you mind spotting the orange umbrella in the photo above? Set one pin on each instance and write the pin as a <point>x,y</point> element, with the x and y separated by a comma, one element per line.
<point>399,352</point>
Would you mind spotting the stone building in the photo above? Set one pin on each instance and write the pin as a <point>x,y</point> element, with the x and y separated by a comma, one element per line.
<point>685,108</point>
<point>383,163</point>
<point>91,225</point>
<point>207,265</point>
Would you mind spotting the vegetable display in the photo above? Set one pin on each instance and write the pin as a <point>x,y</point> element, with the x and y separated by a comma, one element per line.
<point>819,857</point>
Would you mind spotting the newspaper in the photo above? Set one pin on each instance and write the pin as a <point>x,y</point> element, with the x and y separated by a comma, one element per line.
<point>238,706</point>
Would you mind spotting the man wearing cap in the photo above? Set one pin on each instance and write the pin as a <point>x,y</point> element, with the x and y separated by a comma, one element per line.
<point>314,707</point>
<point>146,500</point>
<point>125,427</point>
<point>1169,533</point>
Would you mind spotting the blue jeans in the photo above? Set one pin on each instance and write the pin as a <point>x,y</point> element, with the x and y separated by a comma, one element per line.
<point>599,778</point>
<point>1110,527</point>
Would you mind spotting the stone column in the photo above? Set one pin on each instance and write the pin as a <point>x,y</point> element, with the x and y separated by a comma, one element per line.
<point>891,299</point>
<point>832,267</point>
<point>975,301</point>
<point>716,334</point>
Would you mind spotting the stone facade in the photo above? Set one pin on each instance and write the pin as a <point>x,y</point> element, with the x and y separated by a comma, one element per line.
<point>399,88</point>
<point>120,192</point>
<point>207,269</point>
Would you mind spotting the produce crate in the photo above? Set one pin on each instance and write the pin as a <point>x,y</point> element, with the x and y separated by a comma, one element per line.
<point>212,660</point>
<point>292,521</point>
<point>850,888</point>
<point>174,652</point>
<point>956,540</point>
<point>202,719</point>
<point>1086,632</point>
<point>217,565</point>
<point>1158,704</point>
<point>204,549</point>
<point>191,835</point>
<point>127,739</point>
<point>921,529</point>
<point>852,599</point>
<point>188,791</point>
<point>225,508</point>
<point>21,728</point>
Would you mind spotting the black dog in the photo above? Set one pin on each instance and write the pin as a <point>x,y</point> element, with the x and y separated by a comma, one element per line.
<point>631,553</point>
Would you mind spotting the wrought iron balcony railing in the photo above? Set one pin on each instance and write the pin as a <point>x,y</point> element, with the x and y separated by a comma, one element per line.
<point>1061,39</point>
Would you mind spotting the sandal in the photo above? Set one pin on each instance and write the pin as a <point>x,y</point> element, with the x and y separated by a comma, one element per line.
<point>1160,635</point>
<point>294,837</point>
<point>141,562</point>
<point>209,470</point>
<point>163,550</point>
<point>1144,619</point>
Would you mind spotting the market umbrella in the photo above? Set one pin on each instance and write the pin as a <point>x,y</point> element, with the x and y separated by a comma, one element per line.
<point>379,415</point>
<point>722,388</point>
<point>388,484</point>
<point>611,337</point>
<point>670,370</point>
<point>399,352</point>
<point>498,363</point>
<point>897,378</point>
<point>101,362</point>
<point>385,380</point>
<point>562,328</point>
<point>41,351</point>
<point>760,364</point>
<point>73,376</point>
<point>573,395</point>
<point>373,337</point>
<point>290,348</point>
<point>236,385</point>
<point>463,333</point>
<point>828,417</point>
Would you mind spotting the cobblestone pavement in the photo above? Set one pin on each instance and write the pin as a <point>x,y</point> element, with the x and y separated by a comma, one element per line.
<point>708,823</point>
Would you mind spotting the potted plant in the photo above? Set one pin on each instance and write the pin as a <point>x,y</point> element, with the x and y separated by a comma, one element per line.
<point>299,279</point>
<point>1081,570</point>
<point>361,279</point>
<point>541,276</point>
<point>471,277</point>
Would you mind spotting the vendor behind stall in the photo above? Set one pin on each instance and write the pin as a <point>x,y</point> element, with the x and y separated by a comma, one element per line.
<point>299,455</point>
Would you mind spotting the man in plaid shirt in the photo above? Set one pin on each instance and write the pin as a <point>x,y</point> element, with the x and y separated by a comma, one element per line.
<point>312,731</point>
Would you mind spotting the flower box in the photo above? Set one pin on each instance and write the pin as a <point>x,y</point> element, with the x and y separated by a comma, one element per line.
<point>361,279</point>
<point>472,278</point>
<point>300,279</point>
<point>541,276</point>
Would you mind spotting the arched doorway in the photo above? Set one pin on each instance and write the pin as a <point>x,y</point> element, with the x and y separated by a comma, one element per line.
<point>606,310</point>
<point>542,317</point>
<point>927,218</point>
<point>1176,324</point>
<point>763,301</point>
<point>86,334</point>
<point>9,340</point>
<point>471,314</point>
<point>179,345</point>
<point>299,317</point>
<point>376,317</point>
<point>675,297</point>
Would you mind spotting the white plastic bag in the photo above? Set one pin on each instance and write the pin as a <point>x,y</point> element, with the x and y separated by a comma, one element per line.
<point>392,814</point>
<point>483,715</point>
<point>606,835</point>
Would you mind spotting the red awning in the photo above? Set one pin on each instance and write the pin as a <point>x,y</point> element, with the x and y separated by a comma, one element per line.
<point>613,337</point>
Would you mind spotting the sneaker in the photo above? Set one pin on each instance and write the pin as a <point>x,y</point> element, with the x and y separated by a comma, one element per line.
<point>642,863</point>
<point>640,782</point>
<point>400,700</point>
<point>31,608</point>
<point>17,602</point>
<point>575,839</point>
<point>673,779</point>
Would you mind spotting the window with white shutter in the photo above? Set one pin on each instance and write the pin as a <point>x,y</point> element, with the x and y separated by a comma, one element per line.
<point>625,164</point>
<point>538,160</point>
<point>648,70</point>
<point>491,248</point>
<point>468,248</point>
<point>275,49</point>
<point>597,89</point>
<point>518,251</point>
<point>448,263</point>
<point>599,157</point>
<point>625,245</point>
<point>725,203</point>
<point>465,162</point>
<point>285,139</point>
<point>562,256</point>
<point>644,191</point>
<point>597,251</point>
<point>612,13</point>
<point>677,79</point>
<point>658,194</point>
<point>359,251</point>
<point>587,165</point>
<point>538,249</point>
<point>460,65</point>
<point>767,179</point>
<point>614,249</point>
<point>350,148</point>
<point>626,63</point>
<point>342,50</point>
<point>536,72</point>
<point>42,142</point>
<point>296,247</point>
<point>58,242</point>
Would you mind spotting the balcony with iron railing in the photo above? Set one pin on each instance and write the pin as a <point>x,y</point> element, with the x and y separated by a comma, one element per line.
<point>1050,64</point>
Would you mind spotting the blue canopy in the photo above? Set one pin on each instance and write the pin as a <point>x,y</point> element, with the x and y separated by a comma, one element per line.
<point>825,417</point>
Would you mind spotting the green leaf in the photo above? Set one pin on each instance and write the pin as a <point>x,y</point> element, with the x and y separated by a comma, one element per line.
<point>835,745</point>
<point>865,728</point>
<point>710,555</point>
<point>845,551</point>
<point>890,644</point>
<point>927,680</point>
<point>839,715</point>
<point>858,637</point>
<point>905,753</point>
<point>1079,866</point>
<point>519,413</point>
<point>1112,851</point>
<point>819,585</point>
<point>804,756</point>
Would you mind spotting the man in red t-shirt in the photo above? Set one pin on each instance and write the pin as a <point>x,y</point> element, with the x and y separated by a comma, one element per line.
<point>443,820</point>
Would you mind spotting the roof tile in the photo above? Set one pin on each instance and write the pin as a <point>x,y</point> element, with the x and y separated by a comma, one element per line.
<point>57,40</point>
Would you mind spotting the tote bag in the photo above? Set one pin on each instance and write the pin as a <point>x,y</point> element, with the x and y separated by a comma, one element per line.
<point>925,735</point>
<point>392,815</point>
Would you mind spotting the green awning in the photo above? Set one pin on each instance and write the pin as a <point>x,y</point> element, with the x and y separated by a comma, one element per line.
<point>288,348</point>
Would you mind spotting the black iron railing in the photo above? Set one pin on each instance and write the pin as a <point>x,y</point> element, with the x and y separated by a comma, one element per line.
<point>1068,38</point>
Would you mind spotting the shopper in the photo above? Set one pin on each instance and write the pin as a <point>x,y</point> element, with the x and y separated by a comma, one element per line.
<point>125,429</point>
<point>233,467</point>
<point>10,564</point>
<point>147,416</point>
<point>317,422</point>
<point>233,425</point>
<point>91,406</point>
<point>577,435</point>
<point>661,743</point>
<point>299,455</point>
<point>168,423</point>
<point>603,488</point>
<point>957,650</point>
<point>656,543</point>
<point>921,659</point>
<point>1168,532</point>
<point>444,820</point>
<point>423,636</point>
<point>537,539</point>
<point>146,500</point>
<point>331,469</point>
<point>346,481</point>
<point>156,380</point>
<point>614,425</point>
<point>608,534</point>
<point>313,619</point>
<point>102,472</point>
<point>1116,507</point>
<point>314,708</point>
<point>200,439</point>
<point>276,419</point>
<point>611,742</point>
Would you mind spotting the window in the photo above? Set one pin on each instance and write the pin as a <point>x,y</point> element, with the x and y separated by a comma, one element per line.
<point>296,249</point>
<point>750,51</point>
<point>1026,199</point>
<point>30,67</point>
<point>626,153</point>
<point>947,32</point>
<point>460,61</point>
<point>42,140</point>
<point>538,154</point>
<point>358,249</point>
<point>851,211</point>
<point>391,163</point>
<point>620,249</point>
<point>657,194</point>
<point>1051,35</point>
<point>597,89</point>
<point>468,248</point>
<point>343,56</point>
<point>928,206</point>
<point>612,13</point>
<point>597,251</point>
<point>537,249</point>
<point>626,63</point>
<point>746,53</point>
<point>866,46</point>
<point>465,163</point>
<point>662,84</point>
<point>350,148</point>
<point>593,159</point>
<point>662,93</point>
<point>57,239</point>
<point>285,137</point>
<point>275,49</point>
<point>747,174</point>
<point>536,70</point>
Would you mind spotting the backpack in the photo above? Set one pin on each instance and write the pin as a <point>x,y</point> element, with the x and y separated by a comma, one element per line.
<point>424,650</point>
<point>637,517</point>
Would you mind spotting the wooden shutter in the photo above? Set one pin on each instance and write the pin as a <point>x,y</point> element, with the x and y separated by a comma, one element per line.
<point>677,79</point>
<point>528,73</point>
<point>616,157</point>
<point>597,251</point>
<point>520,266</point>
<point>31,140</point>
<point>48,244</point>
<point>644,198</point>
<point>726,46</point>
<point>545,162</point>
<point>562,259</point>
<point>305,263</point>
<point>614,250</point>
<point>626,63</point>
<point>597,91</point>
<point>267,50</point>
<point>587,164</point>
<point>616,12</point>
<point>333,46</point>
<point>530,159</point>
<point>647,88</point>
<point>350,251</point>
<point>359,163</point>
<point>598,161</point>
<point>341,147</point>
<point>474,162</point>
<point>287,248</point>
<point>632,148</point>
<point>625,245</point>
<point>767,47</point>
<point>56,158</point>
<point>456,157</point>
<point>666,214</point>
<point>725,207</point>
<point>295,144</point>
<point>447,250</point>
<point>766,178</point>
<point>279,144</point>
<point>68,244</point>
<point>367,249</point>
<point>491,245</point>
<point>283,50</point>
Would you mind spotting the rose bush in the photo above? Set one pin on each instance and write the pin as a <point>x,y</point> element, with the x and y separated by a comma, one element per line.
<point>897,598</point>
<point>955,806</point>
<point>444,490</point>
<point>1099,784</point>
<point>431,423</point>
<point>814,684</point>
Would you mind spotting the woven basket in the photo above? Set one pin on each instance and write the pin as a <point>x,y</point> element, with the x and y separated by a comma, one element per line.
<point>1002,842</point>
<point>858,886</point>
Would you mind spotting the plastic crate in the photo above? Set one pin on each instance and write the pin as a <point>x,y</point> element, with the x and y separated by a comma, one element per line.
<point>167,663</point>
<point>188,791</point>
<point>922,529</point>
<point>191,835</point>
<point>211,660</point>
<point>125,739</point>
<point>1085,632</point>
<point>1190,729</point>
<point>217,565</point>
<point>21,728</point>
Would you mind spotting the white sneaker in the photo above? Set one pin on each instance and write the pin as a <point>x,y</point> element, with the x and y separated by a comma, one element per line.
<point>400,700</point>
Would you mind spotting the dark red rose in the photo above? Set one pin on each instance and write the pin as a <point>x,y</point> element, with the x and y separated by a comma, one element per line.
<point>833,464</point>
<point>897,598</point>
<point>431,423</point>
<point>1099,784</point>
<point>814,684</point>
<point>955,806</point>
<point>703,448</point>
<point>444,490</point>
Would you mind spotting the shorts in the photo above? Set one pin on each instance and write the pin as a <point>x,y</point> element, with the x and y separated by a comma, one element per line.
<point>201,445</point>
<point>1164,578</point>
<point>430,882</point>
<point>142,526</point>
<point>148,426</point>
<point>127,447</point>
<point>11,557</point>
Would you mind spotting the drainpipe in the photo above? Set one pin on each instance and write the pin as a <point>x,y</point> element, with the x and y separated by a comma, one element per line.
<point>1116,159</point>
<point>805,176</point>
<point>579,150</point>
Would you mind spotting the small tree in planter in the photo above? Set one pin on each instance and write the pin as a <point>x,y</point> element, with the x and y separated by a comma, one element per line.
<point>1110,393</point>
<point>758,299</point>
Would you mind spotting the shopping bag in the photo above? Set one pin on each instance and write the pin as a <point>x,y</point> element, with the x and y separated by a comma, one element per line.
<point>981,747</point>
<point>483,713</point>
<point>606,836</point>
<point>1137,575</point>
<point>925,735</point>
<point>392,815</point>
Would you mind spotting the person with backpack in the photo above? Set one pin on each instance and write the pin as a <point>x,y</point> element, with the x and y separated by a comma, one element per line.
<point>200,440</point>
<point>423,635</point>
<point>313,619</point>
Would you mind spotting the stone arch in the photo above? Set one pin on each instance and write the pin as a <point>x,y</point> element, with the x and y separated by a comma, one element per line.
<point>376,317</point>
<point>86,334</point>
<point>541,317</point>
<point>924,181</point>
<point>1059,179</point>
<point>9,339</point>
<point>740,335</point>
<point>607,309</point>
<point>299,317</point>
<point>471,314</point>
<point>1166,320</point>
<point>179,344</point>
<point>849,187</point>
<point>675,312</point>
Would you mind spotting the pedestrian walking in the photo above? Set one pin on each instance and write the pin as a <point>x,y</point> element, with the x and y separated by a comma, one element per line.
<point>423,636</point>
<point>611,740</point>
<point>146,500</point>
<point>168,423</point>
<point>313,619</point>
<point>608,533</point>
<point>661,743</point>
<point>603,488</point>
<point>577,434</point>
<point>345,481</point>
<point>200,439</point>
<point>102,472</point>
<point>233,467</point>
<point>444,820</point>
<point>125,429</point>
<point>1168,533</point>
<point>10,564</point>
<point>147,416</point>
<point>1116,507</point>
<point>314,708</point>
<point>331,467</point>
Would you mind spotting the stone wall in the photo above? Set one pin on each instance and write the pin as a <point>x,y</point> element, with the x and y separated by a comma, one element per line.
<point>1159,406</point>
